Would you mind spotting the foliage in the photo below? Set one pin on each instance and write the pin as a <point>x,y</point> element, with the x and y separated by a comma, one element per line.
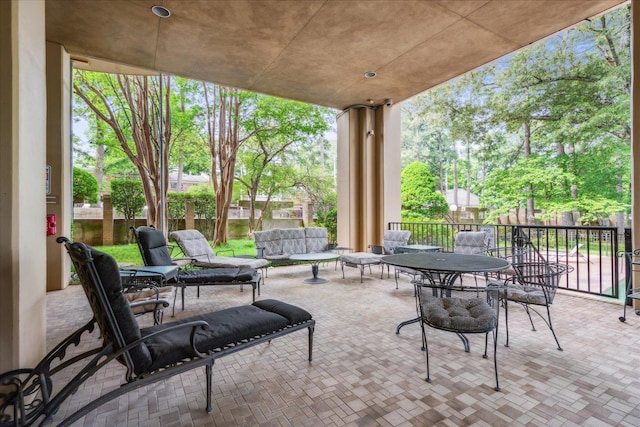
<point>284,154</point>
<point>545,130</point>
<point>123,253</point>
<point>85,187</point>
<point>204,207</point>
<point>327,205</point>
<point>127,197</point>
<point>136,110</point>
<point>131,254</point>
<point>177,209</point>
<point>329,220</point>
<point>418,197</point>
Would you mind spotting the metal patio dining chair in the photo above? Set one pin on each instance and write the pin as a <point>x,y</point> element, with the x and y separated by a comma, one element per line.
<point>461,310</point>
<point>631,293</point>
<point>534,284</point>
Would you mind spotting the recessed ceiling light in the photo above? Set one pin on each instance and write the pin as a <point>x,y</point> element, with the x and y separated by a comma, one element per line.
<point>161,11</point>
<point>370,74</point>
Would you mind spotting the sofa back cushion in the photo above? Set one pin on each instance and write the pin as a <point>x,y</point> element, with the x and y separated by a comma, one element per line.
<point>293,241</point>
<point>269,241</point>
<point>316,239</point>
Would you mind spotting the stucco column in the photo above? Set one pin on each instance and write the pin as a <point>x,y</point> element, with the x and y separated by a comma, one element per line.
<point>368,174</point>
<point>59,197</point>
<point>107,220</point>
<point>189,217</point>
<point>22,184</point>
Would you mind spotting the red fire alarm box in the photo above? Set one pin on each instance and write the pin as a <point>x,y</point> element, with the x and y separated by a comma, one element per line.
<point>51,225</point>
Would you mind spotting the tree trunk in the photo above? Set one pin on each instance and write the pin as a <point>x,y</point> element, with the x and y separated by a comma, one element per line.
<point>455,178</point>
<point>530,211</point>
<point>180,169</point>
<point>143,110</point>
<point>223,132</point>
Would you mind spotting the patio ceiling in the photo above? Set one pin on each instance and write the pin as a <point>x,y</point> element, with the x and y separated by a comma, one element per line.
<point>314,51</point>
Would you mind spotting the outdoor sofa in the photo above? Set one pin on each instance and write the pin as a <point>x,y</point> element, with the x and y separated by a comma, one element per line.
<point>278,244</point>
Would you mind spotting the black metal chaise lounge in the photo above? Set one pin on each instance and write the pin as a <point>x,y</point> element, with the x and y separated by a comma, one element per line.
<point>154,251</point>
<point>151,354</point>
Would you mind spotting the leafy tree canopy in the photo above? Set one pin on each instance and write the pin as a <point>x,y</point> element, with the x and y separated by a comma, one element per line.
<point>127,197</point>
<point>418,195</point>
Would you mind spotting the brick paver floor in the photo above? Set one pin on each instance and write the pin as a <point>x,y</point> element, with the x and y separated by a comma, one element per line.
<point>363,374</point>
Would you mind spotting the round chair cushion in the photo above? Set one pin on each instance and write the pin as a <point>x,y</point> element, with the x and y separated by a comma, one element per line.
<point>526,294</point>
<point>459,314</point>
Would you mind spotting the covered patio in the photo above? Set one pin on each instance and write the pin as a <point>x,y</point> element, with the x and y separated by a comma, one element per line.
<point>363,374</point>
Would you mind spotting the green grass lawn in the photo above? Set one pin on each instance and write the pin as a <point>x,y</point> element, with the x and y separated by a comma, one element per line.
<point>131,254</point>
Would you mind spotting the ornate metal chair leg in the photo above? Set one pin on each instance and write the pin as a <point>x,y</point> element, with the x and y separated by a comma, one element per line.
<point>526,308</point>
<point>209,374</point>
<point>495,356</point>
<point>506,320</point>
<point>426,350</point>
<point>551,327</point>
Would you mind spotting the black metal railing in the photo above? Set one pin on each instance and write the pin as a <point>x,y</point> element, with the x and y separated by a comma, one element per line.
<point>591,251</point>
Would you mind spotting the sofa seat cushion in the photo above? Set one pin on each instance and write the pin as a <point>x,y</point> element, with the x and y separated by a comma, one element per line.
<point>214,275</point>
<point>277,257</point>
<point>459,314</point>
<point>361,258</point>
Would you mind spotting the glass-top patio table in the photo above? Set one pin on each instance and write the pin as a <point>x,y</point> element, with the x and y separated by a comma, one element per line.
<point>315,259</point>
<point>442,269</point>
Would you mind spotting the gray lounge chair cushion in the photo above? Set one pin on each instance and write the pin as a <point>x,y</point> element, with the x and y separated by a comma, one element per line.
<point>459,314</point>
<point>195,246</point>
<point>225,262</point>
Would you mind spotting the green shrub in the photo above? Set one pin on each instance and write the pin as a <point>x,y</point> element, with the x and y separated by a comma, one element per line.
<point>85,187</point>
